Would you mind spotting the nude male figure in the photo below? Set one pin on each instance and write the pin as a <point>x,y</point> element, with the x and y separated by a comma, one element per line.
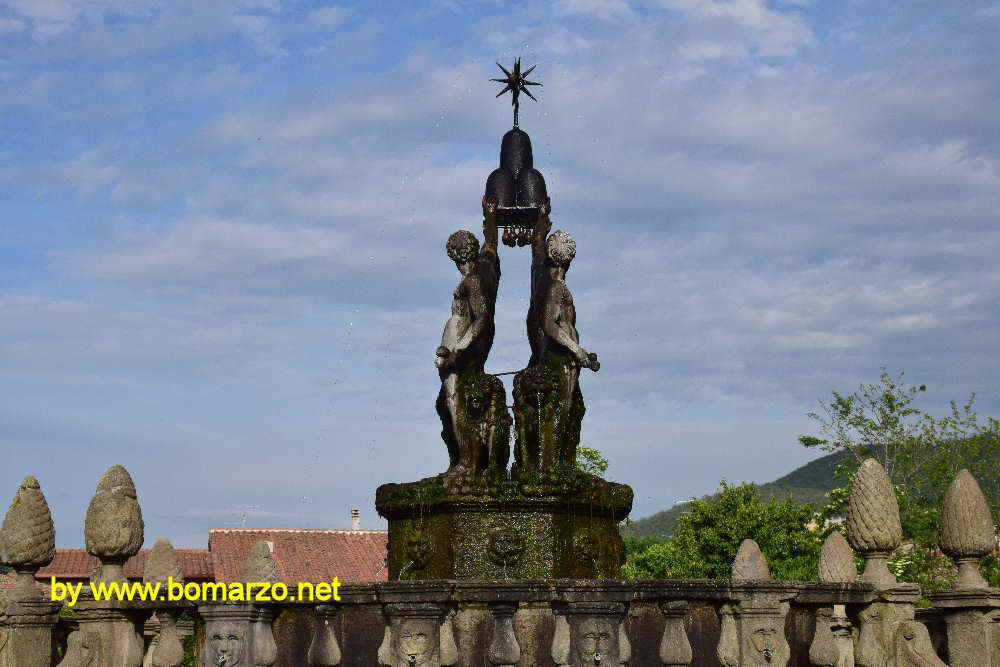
<point>555,347</point>
<point>468,333</point>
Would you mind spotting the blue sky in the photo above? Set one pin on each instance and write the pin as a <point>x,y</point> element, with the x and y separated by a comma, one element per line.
<point>222,261</point>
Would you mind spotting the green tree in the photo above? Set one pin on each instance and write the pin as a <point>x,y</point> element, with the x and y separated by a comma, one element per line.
<point>706,538</point>
<point>921,453</point>
<point>590,460</point>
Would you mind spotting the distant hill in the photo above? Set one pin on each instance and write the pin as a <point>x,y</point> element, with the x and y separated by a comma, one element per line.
<point>807,484</point>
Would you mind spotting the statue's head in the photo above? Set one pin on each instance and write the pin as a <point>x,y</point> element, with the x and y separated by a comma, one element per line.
<point>561,248</point>
<point>463,246</point>
<point>226,643</point>
<point>597,642</point>
<point>417,641</point>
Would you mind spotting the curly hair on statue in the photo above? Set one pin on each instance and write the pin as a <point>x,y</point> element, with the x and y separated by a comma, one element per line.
<point>462,246</point>
<point>561,248</point>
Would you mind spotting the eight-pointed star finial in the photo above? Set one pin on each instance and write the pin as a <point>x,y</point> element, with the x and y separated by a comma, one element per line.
<point>516,83</point>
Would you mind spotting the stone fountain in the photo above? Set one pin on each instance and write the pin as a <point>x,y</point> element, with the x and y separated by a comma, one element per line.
<point>542,518</point>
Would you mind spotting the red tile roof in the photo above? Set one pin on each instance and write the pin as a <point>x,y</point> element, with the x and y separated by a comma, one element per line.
<point>78,564</point>
<point>304,555</point>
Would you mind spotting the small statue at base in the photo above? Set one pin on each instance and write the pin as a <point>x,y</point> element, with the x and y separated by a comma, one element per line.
<point>548,405</point>
<point>472,404</point>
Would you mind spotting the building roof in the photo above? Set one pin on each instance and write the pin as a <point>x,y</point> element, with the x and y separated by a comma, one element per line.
<point>303,555</point>
<point>78,564</point>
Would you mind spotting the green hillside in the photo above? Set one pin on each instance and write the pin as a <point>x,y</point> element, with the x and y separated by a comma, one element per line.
<point>807,484</point>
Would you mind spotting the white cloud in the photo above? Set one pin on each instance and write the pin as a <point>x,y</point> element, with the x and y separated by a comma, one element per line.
<point>603,9</point>
<point>330,16</point>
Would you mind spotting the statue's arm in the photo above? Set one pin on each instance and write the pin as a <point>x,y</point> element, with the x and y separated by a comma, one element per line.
<point>491,235</point>
<point>538,234</point>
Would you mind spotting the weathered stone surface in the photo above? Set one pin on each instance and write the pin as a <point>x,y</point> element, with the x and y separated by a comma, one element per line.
<point>503,651</point>
<point>28,538</point>
<point>108,635</point>
<point>262,644</point>
<point>836,560</point>
<point>750,564</point>
<point>548,405</point>
<point>873,526</point>
<point>966,529</point>
<point>324,651</point>
<point>505,530</point>
<point>163,563</point>
<point>418,634</point>
<point>114,528</point>
<point>728,651</point>
<point>675,649</point>
<point>472,405</point>
<point>969,639</point>
<point>591,633</point>
<point>162,566</point>
<point>832,644</point>
<point>166,648</point>
<point>259,565</point>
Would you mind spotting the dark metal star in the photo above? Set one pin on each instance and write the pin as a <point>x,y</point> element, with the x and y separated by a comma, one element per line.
<point>516,83</point>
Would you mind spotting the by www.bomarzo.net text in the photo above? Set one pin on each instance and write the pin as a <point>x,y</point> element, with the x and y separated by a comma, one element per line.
<point>203,591</point>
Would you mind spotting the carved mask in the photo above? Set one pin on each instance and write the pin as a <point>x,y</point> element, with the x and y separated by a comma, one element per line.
<point>597,642</point>
<point>226,645</point>
<point>417,641</point>
<point>763,641</point>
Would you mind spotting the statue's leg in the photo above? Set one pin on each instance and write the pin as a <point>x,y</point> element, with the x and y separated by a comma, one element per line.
<point>447,426</point>
<point>526,438</point>
<point>464,462</point>
<point>566,450</point>
<point>575,421</point>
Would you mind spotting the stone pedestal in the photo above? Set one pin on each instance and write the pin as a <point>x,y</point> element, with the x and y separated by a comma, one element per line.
<point>109,634</point>
<point>27,620</point>
<point>499,529</point>
<point>973,621</point>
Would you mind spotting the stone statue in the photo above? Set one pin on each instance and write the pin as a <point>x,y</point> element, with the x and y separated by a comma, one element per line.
<point>472,404</point>
<point>226,644</point>
<point>550,384</point>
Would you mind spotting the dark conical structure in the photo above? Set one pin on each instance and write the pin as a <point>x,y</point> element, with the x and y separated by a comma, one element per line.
<point>518,187</point>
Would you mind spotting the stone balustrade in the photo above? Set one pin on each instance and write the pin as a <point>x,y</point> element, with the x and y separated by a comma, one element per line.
<point>747,620</point>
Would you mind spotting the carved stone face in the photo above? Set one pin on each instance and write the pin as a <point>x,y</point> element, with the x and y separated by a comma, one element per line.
<point>226,644</point>
<point>597,641</point>
<point>417,641</point>
<point>763,641</point>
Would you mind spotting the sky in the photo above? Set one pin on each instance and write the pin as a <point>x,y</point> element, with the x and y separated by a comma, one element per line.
<point>222,254</point>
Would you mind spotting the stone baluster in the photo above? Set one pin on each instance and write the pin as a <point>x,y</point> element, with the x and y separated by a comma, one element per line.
<point>241,633</point>
<point>966,535</point>
<point>162,567</point>
<point>109,630</point>
<point>27,543</point>
<point>675,649</point>
<point>324,651</point>
<point>591,633</point>
<point>503,650</point>
<point>418,633</point>
<point>873,527</point>
<point>753,631</point>
<point>889,636</point>
<point>833,645</point>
